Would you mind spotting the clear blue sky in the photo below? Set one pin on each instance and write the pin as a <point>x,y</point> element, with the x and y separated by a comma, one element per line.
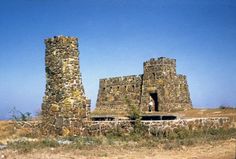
<point>116,37</point>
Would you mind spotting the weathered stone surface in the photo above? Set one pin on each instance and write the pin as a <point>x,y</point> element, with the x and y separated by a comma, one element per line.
<point>153,127</point>
<point>64,98</point>
<point>115,94</point>
<point>86,128</point>
<point>159,83</point>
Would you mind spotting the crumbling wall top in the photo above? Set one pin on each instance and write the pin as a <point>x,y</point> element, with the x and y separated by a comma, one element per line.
<point>120,80</point>
<point>180,76</point>
<point>61,38</point>
<point>160,61</point>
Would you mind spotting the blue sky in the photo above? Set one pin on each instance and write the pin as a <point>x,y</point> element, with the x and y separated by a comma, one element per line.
<point>116,37</point>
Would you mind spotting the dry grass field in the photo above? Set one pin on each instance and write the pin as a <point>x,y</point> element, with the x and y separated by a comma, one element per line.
<point>214,150</point>
<point>231,113</point>
<point>213,147</point>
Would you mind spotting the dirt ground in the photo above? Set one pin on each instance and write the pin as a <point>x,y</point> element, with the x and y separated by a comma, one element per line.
<point>231,113</point>
<point>215,150</point>
<point>195,113</point>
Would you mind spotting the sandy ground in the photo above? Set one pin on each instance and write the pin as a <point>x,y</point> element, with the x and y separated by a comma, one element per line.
<point>215,150</point>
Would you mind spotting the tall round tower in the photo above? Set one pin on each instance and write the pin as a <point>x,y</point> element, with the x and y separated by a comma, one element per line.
<point>64,104</point>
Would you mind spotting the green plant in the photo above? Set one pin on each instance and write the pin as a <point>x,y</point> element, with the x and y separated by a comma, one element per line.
<point>133,110</point>
<point>49,143</point>
<point>19,116</point>
<point>135,115</point>
<point>25,146</point>
<point>21,146</point>
<point>226,107</point>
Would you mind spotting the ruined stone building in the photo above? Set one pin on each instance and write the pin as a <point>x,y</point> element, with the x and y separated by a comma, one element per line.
<point>64,103</point>
<point>66,109</point>
<point>158,84</point>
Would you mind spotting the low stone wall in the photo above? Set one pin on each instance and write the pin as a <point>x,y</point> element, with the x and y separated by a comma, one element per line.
<point>105,127</point>
<point>153,127</point>
<point>126,126</point>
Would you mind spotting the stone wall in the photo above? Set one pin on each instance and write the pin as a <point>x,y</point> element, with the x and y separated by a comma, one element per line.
<point>153,127</point>
<point>115,94</point>
<point>64,99</point>
<point>159,83</point>
<point>93,128</point>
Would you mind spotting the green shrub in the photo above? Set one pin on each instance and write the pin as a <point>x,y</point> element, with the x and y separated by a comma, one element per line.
<point>48,143</point>
<point>133,110</point>
<point>226,107</point>
<point>20,116</point>
<point>22,146</point>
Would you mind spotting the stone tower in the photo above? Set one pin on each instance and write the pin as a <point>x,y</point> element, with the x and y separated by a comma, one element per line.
<point>168,90</point>
<point>64,104</point>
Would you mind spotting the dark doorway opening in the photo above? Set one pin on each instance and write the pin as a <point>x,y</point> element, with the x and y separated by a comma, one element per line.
<point>102,118</point>
<point>169,117</point>
<point>158,117</point>
<point>155,99</point>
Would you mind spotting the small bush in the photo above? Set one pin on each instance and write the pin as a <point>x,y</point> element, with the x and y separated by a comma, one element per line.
<point>48,143</point>
<point>169,146</point>
<point>182,133</point>
<point>22,146</point>
<point>28,146</point>
<point>186,142</point>
<point>84,142</point>
<point>226,107</point>
<point>20,116</point>
<point>133,110</point>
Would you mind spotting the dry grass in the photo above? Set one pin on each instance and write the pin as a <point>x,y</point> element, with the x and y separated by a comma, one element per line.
<point>213,150</point>
<point>231,113</point>
<point>216,145</point>
<point>6,129</point>
<point>134,140</point>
